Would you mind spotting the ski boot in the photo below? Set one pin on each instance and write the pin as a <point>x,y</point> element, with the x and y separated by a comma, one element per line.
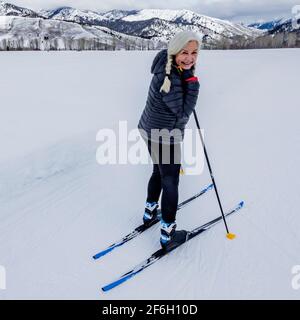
<point>150,213</point>
<point>169,237</point>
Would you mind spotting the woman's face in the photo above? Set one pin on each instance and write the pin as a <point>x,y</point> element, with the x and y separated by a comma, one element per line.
<point>187,57</point>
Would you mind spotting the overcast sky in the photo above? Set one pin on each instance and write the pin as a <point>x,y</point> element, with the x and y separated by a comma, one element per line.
<point>234,10</point>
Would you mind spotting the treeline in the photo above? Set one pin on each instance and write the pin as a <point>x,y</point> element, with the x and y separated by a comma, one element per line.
<point>48,42</point>
<point>277,40</point>
<point>61,43</point>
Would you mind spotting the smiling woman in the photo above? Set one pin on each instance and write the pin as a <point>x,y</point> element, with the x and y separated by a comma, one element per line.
<point>183,47</point>
<point>172,97</point>
<point>187,57</point>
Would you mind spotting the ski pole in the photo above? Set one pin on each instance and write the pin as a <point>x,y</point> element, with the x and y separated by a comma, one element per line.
<point>229,235</point>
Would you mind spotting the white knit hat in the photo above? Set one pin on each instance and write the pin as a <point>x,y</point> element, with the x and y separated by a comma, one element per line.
<point>177,43</point>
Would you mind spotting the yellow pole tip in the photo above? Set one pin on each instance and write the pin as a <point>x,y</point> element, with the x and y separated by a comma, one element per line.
<point>230,236</point>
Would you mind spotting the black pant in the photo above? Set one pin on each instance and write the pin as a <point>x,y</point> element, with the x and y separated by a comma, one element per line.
<point>165,177</point>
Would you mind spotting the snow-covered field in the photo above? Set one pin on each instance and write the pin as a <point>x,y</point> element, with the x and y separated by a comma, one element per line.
<point>59,206</point>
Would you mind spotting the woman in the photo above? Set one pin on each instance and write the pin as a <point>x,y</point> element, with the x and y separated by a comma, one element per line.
<point>171,100</point>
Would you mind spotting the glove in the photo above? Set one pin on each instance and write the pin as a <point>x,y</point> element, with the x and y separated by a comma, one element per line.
<point>186,74</point>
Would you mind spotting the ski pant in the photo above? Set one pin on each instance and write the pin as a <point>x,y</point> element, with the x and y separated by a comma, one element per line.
<point>165,177</point>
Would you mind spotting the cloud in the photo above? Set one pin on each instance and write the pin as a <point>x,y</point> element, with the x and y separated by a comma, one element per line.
<point>223,9</point>
<point>237,9</point>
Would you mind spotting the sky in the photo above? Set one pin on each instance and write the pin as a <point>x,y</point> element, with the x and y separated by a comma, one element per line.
<point>234,10</point>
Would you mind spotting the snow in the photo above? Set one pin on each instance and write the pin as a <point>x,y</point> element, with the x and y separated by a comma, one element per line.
<point>115,14</point>
<point>148,14</point>
<point>5,22</point>
<point>71,14</point>
<point>59,206</point>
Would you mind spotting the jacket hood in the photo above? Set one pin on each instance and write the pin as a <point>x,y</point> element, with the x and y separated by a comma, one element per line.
<point>159,62</point>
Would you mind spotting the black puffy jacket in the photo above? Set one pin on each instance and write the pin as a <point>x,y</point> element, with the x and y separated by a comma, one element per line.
<point>168,110</point>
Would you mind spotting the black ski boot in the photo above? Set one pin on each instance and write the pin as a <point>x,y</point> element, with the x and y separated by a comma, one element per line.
<point>169,237</point>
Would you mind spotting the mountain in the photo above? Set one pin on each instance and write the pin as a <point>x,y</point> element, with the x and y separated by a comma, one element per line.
<point>267,25</point>
<point>157,24</point>
<point>284,34</point>
<point>139,29</point>
<point>286,26</point>
<point>8,9</point>
<point>72,15</point>
<point>278,25</point>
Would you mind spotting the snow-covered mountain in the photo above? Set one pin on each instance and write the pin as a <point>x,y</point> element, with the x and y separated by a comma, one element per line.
<point>8,9</point>
<point>286,26</point>
<point>73,15</point>
<point>278,25</point>
<point>134,29</point>
<point>156,24</point>
<point>266,25</point>
<point>280,33</point>
<point>137,29</point>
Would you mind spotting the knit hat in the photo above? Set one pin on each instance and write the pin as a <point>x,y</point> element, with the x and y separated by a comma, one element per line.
<point>177,43</point>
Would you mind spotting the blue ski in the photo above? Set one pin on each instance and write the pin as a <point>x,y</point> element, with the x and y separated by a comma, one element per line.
<point>143,228</point>
<point>161,252</point>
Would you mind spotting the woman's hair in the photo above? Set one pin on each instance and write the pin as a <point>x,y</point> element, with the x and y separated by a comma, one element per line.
<point>176,44</point>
